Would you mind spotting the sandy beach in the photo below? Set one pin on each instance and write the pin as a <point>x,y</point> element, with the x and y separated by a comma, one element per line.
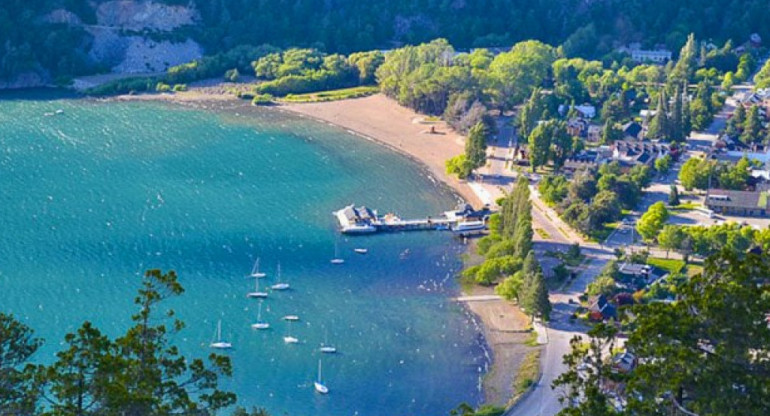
<point>381,119</point>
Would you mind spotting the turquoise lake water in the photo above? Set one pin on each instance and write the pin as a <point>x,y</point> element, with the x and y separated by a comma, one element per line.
<point>92,197</point>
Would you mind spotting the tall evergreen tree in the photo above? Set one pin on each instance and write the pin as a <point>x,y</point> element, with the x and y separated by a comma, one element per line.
<point>686,64</point>
<point>673,196</point>
<point>675,129</point>
<point>476,146</point>
<point>530,111</point>
<point>659,126</point>
<point>752,127</point>
<point>539,145</point>
<point>686,115</point>
<point>539,304</point>
<point>533,294</point>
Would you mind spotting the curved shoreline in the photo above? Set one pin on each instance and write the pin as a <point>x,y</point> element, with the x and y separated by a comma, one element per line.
<point>394,127</point>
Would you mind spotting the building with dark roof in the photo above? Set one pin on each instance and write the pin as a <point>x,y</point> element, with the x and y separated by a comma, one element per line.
<point>742,203</point>
<point>601,309</point>
<point>632,130</point>
<point>634,152</point>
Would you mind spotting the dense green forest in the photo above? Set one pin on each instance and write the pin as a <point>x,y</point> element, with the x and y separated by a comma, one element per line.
<point>588,29</point>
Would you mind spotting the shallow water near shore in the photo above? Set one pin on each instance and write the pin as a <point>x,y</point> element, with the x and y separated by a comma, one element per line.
<point>96,194</point>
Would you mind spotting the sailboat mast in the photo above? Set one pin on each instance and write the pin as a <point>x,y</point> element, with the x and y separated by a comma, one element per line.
<point>319,371</point>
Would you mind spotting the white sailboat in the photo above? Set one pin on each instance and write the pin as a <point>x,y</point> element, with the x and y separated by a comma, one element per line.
<point>361,250</point>
<point>255,273</point>
<point>325,347</point>
<point>280,285</point>
<point>256,293</point>
<point>291,318</point>
<point>219,344</point>
<point>260,324</point>
<point>318,384</point>
<point>337,259</point>
<point>288,338</point>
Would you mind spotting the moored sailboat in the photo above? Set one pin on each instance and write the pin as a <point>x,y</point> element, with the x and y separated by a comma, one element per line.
<point>219,344</point>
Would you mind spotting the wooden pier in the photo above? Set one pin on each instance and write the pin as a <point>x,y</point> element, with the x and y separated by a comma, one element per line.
<point>362,220</point>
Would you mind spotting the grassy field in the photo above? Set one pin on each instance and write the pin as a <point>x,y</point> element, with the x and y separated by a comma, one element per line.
<point>333,95</point>
<point>694,269</point>
<point>542,233</point>
<point>669,265</point>
<point>528,373</point>
<point>689,206</point>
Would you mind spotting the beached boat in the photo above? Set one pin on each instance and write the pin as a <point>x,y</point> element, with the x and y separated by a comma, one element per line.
<point>255,270</point>
<point>280,285</point>
<point>291,318</point>
<point>219,344</point>
<point>256,293</point>
<point>260,324</point>
<point>319,384</point>
<point>361,250</point>
<point>288,338</point>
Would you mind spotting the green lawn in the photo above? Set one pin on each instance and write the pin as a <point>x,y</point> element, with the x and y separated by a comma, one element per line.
<point>694,269</point>
<point>528,373</point>
<point>333,95</point>
<point>669,265</point>
<point>542,233</point>
<point>689,206</point>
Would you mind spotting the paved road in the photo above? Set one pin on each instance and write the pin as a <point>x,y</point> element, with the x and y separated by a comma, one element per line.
<point>543,400</point>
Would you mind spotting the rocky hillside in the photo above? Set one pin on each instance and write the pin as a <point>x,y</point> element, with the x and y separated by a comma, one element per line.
<point>119,36</point>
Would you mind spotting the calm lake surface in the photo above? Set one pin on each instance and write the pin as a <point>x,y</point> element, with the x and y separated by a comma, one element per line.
<point>95,195</point>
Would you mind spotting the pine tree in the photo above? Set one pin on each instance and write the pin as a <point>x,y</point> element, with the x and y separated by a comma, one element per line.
<point>752,127</point>
<point>685,65</point>
<point>528,270</point>
<point>686,115</point>
<point>533,294</point>
<point>673,196</point>
<point>529,113</point>
<point>476,146</point>
<point>675,132</point>
<point>540,305</point>
<point>524,234</point>
<point>658,127</point>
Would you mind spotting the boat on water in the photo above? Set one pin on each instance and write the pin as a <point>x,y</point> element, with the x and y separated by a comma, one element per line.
<point>361,250</point>
<point>325,347</point>
<point>469,227</point>
<point>291,318</point>
<point>280,285</point>
<point>319,385</point>
<point>260,324</point>
<point>337,259</point>
<point>255,271</point>
<point>256,293</point>
<point>219,344</point>
<point>288,339</point>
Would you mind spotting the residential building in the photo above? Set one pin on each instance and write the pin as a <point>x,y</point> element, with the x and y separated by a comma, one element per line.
<point>601,309</point>
<point>759,98</point>
<point>584,111</point>
<point>633,130</point>
<point>634,152</point>
<point>740,203</point>
<point>659,55</point>
<point>624,362</point>
<point>594,134</point>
